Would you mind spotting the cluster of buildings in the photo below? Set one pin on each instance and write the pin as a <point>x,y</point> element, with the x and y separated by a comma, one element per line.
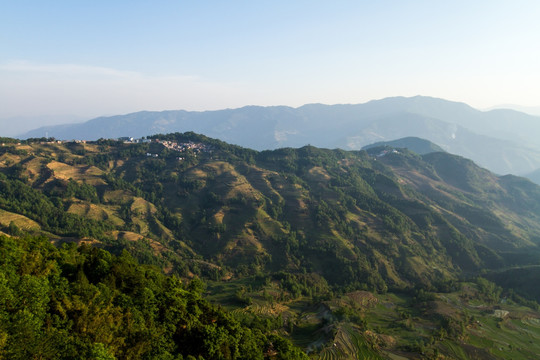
<point>181,147</point>
<point>172,145</point>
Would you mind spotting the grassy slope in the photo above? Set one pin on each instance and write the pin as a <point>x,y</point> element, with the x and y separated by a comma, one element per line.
<point>409,220</point>
<point>398,209</point>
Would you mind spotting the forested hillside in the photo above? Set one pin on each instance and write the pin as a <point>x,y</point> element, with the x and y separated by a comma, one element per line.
<point>308,244</point>
<point>84,303</point>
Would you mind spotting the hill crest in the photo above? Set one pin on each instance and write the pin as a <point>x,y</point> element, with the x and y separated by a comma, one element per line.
<point>485,137</point>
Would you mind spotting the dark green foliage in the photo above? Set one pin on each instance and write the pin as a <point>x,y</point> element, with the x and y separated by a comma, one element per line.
<point>18,197</point>
<point>520,281</point>
<point>489,290</point>
<point>302,284</point>
<point>393,222</point>
<point>12,150</point>
<point>81,191</point>
<point>83,303</point>
<point>7,140</point>
<point>13,229</point>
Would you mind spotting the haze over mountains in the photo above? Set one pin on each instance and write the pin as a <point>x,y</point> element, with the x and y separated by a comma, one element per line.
<point>503,141</point>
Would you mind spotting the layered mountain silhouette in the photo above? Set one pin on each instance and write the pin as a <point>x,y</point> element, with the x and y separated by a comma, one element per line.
<point>503,141</point>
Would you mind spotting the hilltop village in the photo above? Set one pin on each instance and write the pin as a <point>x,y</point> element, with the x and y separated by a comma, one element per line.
<point>181,147</point>
<point>195,147</point>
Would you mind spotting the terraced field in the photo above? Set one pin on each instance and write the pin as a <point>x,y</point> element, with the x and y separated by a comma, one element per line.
<point>90,174</point>
<point>348,343</point>
<point>22,222</point>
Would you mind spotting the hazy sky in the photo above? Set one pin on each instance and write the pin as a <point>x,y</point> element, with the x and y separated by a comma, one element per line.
<point>90,58</point>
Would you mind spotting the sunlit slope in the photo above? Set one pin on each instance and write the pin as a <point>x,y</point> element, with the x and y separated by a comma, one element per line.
<point>373,219</point>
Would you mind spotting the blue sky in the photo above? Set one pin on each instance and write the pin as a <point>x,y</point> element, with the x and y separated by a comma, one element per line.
<point>81,59</point>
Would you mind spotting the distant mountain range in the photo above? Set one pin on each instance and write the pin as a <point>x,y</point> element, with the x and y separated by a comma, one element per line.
<point>532,110</point>
<point>503,141</point>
